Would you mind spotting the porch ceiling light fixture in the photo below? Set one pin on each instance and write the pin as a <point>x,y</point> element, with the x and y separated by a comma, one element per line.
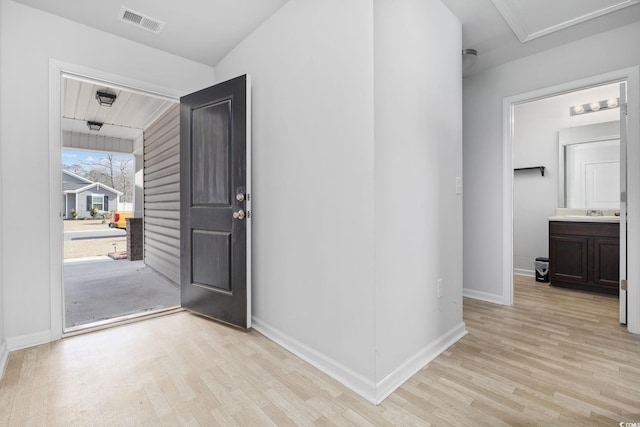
<point>105,99</point>
<point>592,107</point>
<point>94,125</point>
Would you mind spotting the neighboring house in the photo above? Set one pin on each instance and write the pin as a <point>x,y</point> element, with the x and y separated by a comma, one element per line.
<point>82,194</point>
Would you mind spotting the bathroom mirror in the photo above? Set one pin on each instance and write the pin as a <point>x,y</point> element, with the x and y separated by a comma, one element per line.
<point>589,166</point>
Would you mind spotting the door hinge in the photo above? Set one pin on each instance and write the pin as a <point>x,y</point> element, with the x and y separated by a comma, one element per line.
<point>623,109</point>
<point>623,285</point>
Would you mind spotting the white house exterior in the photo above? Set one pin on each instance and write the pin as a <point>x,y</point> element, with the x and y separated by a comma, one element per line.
<point>82,194</point>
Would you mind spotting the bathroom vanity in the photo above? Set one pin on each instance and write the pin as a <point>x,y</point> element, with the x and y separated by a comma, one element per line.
<point>584,236</point>
<point>584,252</point>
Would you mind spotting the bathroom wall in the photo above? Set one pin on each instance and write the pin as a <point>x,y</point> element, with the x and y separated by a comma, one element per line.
<point>535,142</point>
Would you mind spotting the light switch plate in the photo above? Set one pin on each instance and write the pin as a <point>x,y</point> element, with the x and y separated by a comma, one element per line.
<point>458,185</point>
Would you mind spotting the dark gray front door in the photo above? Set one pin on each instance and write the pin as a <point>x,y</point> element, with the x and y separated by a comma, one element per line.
<point>214,202</point>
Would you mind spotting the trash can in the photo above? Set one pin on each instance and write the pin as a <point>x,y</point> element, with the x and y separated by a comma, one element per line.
<point>542,269</point>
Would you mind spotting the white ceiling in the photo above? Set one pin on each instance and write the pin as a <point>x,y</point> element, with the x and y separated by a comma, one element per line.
<point>505,30</point>
<point>201,30</point>
<point>206,30</point>
<point>530,20</point>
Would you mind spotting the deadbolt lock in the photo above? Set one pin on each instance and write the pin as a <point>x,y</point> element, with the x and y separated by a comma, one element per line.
<point>240,197</point>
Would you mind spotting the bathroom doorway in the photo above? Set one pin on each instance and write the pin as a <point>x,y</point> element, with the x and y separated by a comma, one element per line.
<point>632,78</point>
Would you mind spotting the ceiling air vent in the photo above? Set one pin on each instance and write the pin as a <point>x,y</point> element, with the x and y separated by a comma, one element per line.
<point>140,20</point>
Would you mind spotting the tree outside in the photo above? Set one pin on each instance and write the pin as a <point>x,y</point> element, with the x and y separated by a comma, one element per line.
<point>113,170</point>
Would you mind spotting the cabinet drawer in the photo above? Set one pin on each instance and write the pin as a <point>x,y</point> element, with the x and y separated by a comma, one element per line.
<point>589,229</point>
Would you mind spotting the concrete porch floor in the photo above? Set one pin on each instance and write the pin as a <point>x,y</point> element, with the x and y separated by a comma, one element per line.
<point>100,288</point>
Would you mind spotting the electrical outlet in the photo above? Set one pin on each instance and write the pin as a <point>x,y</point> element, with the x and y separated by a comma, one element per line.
<point>439,287</point>
<point>458,185</point>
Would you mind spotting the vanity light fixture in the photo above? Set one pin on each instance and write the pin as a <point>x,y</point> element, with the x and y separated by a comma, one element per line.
<point>105,99</point>
<point>592,107</point>
<point>94,125</point>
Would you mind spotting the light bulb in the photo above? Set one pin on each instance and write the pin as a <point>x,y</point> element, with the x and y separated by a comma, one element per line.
<point>612,102</point>
<point>578,109</point>
<point>595,106</point>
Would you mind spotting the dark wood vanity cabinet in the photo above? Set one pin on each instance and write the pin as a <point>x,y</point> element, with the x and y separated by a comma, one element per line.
<point>585,255</point>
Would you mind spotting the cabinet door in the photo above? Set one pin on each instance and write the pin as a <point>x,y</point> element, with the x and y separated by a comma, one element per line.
<point>569,259</point>
<point>606,254</point>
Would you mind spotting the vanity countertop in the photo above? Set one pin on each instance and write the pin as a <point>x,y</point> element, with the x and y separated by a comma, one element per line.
<point>585,218</point>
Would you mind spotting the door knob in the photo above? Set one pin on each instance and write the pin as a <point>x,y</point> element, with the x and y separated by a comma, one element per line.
<point>239,214</point>
<point>240,197</point>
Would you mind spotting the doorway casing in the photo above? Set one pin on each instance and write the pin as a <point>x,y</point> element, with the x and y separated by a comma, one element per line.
<point>57,71</point>
<point>632,77</point>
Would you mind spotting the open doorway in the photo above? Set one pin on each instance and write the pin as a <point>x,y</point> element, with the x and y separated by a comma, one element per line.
<point>579,188</point>
<point>107,134</point>
<point>538,125</point>
<point>628,290</point>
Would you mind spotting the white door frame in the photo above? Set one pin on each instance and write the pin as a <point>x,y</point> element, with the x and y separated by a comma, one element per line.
<point>57,70</point>
<point>632,77</point>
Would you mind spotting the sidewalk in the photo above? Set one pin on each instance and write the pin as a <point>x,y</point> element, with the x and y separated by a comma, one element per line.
<point>85,225</point>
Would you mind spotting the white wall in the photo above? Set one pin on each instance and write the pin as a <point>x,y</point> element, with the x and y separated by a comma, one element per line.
<point>535,143</point>
<point>482,109</point>
<point>418,155</point>
<point>3,343</point>
<point>313,273</point>
<point>351,230</point>
<point>30,38</point>
<point>321,192</point>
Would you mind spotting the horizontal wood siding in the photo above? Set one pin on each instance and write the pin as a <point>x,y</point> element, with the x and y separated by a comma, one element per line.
<point>162,195</point>
<point>96,143</point>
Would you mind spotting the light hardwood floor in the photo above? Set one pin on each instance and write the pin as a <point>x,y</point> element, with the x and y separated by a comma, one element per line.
<point>557,358</point>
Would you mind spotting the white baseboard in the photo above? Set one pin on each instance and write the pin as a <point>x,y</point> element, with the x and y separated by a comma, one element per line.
<point>374,393</point>
<point>483,296</point>
<point>24,341</point>
<point>329,366</point>
<point>4,357</point>
<point>398,377</point>
<point>523,272</point>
